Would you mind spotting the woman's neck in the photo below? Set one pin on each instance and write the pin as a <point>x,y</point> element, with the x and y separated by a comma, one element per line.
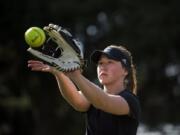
<point>114,88</point>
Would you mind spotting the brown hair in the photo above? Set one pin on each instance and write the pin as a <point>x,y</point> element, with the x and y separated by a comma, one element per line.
<point>130,80</point>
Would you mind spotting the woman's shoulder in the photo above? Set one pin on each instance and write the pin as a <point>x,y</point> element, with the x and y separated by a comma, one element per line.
<point>127,92</point>
<point>129,96</point>
<point>133,101</point>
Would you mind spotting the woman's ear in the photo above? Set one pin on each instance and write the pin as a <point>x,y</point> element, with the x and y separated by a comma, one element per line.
<point>125,71</point>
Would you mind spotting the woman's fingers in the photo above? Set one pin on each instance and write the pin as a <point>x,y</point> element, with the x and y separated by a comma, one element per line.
<point>35,65</point>
<point>35,62</point>
<point>38,66</point>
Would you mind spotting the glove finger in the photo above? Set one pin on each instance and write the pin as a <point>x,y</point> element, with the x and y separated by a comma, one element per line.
<point>54,26</point>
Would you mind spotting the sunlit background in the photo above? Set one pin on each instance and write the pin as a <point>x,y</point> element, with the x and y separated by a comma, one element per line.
<point>30,102</point>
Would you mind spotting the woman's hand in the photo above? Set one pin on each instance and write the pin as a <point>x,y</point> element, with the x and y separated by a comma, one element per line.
<point>36,65</point>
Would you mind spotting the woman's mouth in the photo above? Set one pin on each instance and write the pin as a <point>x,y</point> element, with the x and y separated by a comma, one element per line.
<point>102,74</point>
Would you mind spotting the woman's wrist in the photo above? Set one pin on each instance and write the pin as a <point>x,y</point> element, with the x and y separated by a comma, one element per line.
<point>54,71</point>
<point>73,74</point>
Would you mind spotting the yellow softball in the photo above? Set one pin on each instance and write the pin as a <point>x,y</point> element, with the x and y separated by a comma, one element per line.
<point>35,36</point>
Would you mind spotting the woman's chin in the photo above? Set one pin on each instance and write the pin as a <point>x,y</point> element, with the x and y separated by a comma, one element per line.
<point>103,82</point>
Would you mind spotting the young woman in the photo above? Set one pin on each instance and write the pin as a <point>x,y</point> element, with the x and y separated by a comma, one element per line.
<point>111,110</point>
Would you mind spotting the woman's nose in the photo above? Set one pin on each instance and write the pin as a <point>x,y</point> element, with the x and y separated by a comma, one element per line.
<point>103,66</point>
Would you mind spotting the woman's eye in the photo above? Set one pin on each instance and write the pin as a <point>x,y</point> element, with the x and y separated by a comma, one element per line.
<point>110,62</point>
<point>99,63</point>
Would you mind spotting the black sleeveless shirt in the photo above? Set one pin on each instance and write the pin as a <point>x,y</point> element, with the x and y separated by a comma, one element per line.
<point>103,123</point>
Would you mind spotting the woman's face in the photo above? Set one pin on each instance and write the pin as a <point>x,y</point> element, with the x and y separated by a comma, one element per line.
<point>110,71</point>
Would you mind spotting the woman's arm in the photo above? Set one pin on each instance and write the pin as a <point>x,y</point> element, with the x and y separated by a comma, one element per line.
<point>67,88</point>
<point>114,104</point>
<point>70,93</point>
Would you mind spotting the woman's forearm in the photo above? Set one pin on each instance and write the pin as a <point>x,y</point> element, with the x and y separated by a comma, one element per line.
<point>70,92</point>
<point>93,93</point>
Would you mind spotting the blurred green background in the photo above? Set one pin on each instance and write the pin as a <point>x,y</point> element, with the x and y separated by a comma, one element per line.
<point>30,102</point>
